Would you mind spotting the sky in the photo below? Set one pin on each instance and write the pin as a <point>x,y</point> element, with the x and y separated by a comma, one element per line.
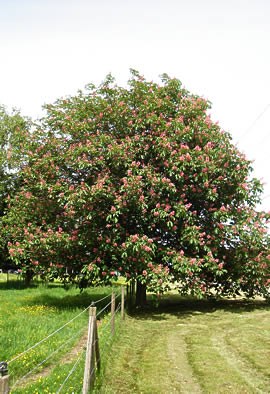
<point>219,49</point>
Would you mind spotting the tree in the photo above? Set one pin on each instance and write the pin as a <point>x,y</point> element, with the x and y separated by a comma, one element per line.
<point>140,181</point>
<point>14,132</point>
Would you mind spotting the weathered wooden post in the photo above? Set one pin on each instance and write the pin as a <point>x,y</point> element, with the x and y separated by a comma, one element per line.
<point>113,313</point>
<point>97,351</point>
<point>4,378</point>
<point>122,303</point>
<point>130,293</point>
<point>89,369</point>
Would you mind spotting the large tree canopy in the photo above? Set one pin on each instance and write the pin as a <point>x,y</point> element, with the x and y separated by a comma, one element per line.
<point>140,181</point>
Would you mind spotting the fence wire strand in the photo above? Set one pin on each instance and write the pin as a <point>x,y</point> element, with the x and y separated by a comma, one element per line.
<point>106,306</point>
<point>49,336</point>
<point>59,329</point>
<point>46,359</point>
<point>103,328</point>
<point>102,299</point>
<point>103,309</point>
<point>70,372</point>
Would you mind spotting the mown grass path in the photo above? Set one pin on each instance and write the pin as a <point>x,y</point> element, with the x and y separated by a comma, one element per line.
<point>193,348</point>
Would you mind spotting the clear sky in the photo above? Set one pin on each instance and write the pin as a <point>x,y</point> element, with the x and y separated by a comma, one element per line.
<point>219,49</point>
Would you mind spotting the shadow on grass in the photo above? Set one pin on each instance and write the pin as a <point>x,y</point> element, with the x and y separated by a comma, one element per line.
<point>19,284</point>
<point>100,297</point>
<point>15,284</point>
<point>65,296</point>
<point>80,300</point>
<point>186,307</point>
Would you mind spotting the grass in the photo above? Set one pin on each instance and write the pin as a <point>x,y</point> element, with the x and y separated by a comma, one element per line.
<point>185,346</point>
<point>193,347</point>
<point>27,315</point>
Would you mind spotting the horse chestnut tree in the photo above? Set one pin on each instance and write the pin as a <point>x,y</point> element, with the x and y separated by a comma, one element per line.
<point>139,181</point>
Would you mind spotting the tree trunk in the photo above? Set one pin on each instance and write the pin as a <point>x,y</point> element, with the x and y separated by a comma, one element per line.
<point>28,276</point>
<point>140,294</point>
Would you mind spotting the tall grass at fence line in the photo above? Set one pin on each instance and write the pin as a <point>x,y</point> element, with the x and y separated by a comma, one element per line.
<point>28,315</point>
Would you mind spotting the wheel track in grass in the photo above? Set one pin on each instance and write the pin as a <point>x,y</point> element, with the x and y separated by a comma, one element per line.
<point>151,359</point>
<point>252,376</point>
<point>181,369</point>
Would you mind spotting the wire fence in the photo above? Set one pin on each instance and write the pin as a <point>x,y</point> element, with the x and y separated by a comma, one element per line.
<point>104,330</point>
<point>47,337</point>
<point>45,360</point>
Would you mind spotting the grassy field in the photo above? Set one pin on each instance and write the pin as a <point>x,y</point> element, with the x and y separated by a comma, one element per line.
<point>193,347</point>
<point>29,315</point>
<point>184,346</point>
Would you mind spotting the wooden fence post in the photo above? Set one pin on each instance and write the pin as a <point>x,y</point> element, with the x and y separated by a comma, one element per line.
<point>132,287</point>
<point>113,313</point>
<point>130,294</point>
<point>122,302</point>
<point>97,351</point>
<point>4,378</point>
<point>89,369</point>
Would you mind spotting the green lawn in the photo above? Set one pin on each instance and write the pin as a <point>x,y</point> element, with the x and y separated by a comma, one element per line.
<point>193,347</point>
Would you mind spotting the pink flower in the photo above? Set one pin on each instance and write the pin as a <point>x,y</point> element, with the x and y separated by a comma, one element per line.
<point>134,238</point>
<point>147,248</point>
<point>11,251</point>
<point>188,157</point>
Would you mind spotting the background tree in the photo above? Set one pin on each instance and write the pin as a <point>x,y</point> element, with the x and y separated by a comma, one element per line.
<point>140,181</point>
<point>14,132</point>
